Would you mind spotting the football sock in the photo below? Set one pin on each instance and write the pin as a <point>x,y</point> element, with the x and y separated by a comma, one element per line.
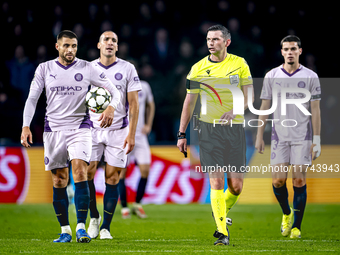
<point>122,192</point>
<point>66,229</point>
<point>230,200</point>
<point>219,209</point>
<point>81,200</point>
<point>93,202</point>
<point>141,189</point>
<point>80,226</point>
<point>281,195</point>
<point>299,204</point>
<point>110,201</point>
<point>60,204</point>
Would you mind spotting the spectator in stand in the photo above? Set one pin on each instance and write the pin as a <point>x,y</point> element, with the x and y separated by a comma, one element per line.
<point>21,71</point>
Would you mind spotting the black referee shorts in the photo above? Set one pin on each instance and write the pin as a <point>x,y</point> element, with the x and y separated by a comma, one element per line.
<point>222,147</point>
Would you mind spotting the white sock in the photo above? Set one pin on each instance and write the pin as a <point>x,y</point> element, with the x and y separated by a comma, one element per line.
<point>80,226</point>
<point>66,229</point>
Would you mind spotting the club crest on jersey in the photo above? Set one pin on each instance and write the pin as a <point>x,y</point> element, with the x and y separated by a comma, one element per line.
<point>78,77</point>
<point>118,76</point>
<point>234,79</point>
<point>301,84</point>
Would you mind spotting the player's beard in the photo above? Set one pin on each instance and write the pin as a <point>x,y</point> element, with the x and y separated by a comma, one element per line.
<point>67,60</point>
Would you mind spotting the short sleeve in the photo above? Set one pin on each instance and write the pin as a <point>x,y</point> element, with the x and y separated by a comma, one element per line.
<point>315,89</point>
<point>133,80</point>
<point>149,96</point>
<point>245,75</point>
<point>192,86</point>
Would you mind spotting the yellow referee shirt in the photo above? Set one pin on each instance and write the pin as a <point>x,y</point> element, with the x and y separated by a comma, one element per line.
<point>206,77</point>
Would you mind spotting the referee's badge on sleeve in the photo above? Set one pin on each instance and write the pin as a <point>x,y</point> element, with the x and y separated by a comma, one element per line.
<point>234,79</point>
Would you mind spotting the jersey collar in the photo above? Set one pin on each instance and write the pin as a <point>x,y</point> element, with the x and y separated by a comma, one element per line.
<point>291,74</point>
<point>68,66</point>
<point>212,61</point>
<point>109,66</point>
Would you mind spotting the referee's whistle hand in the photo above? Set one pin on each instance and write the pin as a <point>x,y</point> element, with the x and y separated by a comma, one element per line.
<point>226,118</point>
<point>182,145</point>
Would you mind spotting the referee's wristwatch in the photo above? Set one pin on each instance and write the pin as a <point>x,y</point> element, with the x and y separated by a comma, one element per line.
<point>181,135</point>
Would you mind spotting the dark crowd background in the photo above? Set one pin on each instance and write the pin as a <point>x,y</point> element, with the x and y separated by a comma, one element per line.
<point>164,38</point>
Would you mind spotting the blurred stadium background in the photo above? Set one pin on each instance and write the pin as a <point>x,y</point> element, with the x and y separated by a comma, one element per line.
<point>165,38</point>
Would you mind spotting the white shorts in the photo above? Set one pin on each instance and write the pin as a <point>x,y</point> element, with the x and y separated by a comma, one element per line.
<point>294,153</point>
<point>60,147</point>
<point>110,143</point>
<point>141,152</point>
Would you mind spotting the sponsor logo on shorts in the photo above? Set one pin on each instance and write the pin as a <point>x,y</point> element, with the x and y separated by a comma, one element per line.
<point>78,77</point>
<point>46,160</point>
<point>273,155</point>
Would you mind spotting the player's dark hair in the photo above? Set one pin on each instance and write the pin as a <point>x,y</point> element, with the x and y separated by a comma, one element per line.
<point>291,38</point>
<point>225,32</point>
<point>67,34</point>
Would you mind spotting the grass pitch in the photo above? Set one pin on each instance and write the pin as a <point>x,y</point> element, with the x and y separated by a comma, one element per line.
<point>173,229</point>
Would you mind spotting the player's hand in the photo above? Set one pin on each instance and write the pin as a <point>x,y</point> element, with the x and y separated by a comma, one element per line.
<point>107,117</point>
<point>130,142</point>
<point>146,129</point>
<point>182,145</point>
<point>26,136</point>
<point>315,149</point>
<point>259,145</point>
<point>227,117</point>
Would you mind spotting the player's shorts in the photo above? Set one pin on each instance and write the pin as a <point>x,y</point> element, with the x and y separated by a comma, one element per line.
<point>110,144</point>
<point>222,146</point>
<point>141,152</point>
<point>294,153</point>
<point>60,147</point>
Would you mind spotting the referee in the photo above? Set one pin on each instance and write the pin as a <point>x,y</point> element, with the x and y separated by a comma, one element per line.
<point>221,134</point>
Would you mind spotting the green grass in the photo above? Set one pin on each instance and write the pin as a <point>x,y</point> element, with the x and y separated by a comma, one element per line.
<point>174,229</point>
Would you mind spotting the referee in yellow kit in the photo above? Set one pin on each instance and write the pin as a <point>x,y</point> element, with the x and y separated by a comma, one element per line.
<point>221,144</point>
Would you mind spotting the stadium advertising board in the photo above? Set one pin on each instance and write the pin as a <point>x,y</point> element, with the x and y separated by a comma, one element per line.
<point>23,179</point>
<point>14,175</point>
<point>169,180</point>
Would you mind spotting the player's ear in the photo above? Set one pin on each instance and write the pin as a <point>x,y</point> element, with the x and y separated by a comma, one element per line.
<point>99,45</point>
<point>300,50</point>
<point>228,42</point>
<point>57,46</point>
